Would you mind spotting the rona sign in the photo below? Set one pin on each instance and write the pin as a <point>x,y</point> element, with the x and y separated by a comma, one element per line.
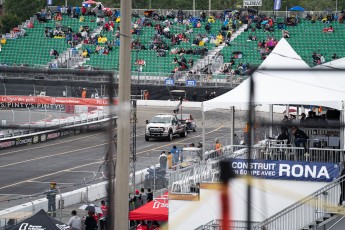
<point>252,3</point>
<point>287,170</point>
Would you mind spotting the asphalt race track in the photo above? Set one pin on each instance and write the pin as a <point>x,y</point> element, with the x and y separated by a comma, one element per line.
<point>72,161</point>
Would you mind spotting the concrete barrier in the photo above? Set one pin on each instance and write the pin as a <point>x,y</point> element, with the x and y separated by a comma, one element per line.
<point>82,195</point>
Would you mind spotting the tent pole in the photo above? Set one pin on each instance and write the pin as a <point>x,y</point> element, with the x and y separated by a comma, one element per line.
<point>271,120</point>
<point>203,131</point>
<point>287,110</point>
<point>232,126</point>
<point>342,129</point>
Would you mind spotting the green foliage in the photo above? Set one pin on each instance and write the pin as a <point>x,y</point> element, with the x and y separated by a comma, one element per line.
<point>8,22</point>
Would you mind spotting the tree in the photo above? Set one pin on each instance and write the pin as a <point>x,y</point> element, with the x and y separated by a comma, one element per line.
<point>8,22</point>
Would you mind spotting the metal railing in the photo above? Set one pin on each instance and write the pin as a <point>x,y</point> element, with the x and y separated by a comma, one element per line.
<point>306,211</point>
<point>145,78</point>
<point>233,224</point>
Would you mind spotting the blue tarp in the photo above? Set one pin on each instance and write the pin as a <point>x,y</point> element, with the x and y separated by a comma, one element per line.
<point>296,8</point>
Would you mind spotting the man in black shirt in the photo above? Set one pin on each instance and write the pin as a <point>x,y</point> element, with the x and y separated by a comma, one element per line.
<point>300,137</point>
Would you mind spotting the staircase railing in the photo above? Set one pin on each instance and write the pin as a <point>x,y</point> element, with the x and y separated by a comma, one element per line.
<point>306,211</point>
<point>234,225</point>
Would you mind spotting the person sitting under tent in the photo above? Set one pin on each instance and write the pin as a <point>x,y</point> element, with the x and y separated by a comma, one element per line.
<point>300,137</point>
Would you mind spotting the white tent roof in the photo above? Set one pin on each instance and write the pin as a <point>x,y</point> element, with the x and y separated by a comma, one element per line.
<point>336,64</point>
<point>295,87</point>
<point>288,87</point>
<point>283,56</point>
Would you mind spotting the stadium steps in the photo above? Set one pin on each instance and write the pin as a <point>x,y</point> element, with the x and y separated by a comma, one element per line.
<point>82,61</point>
<point>211,54</point>
<point>321,222</point>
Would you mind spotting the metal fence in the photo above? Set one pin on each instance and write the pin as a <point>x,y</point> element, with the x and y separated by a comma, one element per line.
<point>306,211</point>
<point>183,180</point>
<point>144,78</point>
<point>27,120</point>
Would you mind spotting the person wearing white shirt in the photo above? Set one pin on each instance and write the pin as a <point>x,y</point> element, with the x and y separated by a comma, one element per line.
<point>74,221</point>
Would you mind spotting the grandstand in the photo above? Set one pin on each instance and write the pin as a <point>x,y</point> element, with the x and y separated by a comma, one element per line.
<point>305,38</point>
<point>34,49</point>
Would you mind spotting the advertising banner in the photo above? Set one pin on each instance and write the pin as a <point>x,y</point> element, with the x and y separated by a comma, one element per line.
<point>277,4</point>
<point>287,170</point>
<point>191,83</point>
<point>30,101</point>
<point>252,3</point>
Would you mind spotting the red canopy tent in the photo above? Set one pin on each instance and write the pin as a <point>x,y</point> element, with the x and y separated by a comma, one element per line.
<point>154,210</point>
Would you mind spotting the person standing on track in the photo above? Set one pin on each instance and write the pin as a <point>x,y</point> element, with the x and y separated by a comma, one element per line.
<point>51,196</point>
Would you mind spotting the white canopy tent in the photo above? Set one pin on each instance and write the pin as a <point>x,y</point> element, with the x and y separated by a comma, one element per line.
<point>295,87</point>
<point>286,87</point>
<point>283,56</point>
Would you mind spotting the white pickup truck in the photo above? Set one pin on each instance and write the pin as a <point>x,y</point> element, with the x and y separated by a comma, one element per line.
<point>164,126</point>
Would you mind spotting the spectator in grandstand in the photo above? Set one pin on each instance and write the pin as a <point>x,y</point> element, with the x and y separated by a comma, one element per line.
<point>58,17</point>
<point>316,58</point>
<point>69,11</point>
<point>191,62</point>
<point>285,33</point>
<point>83,11</point>
<point>54,53</point>
<point>85,54</point>
<point>334,56</point>
<point>322,59</point>
<point>330,29</point>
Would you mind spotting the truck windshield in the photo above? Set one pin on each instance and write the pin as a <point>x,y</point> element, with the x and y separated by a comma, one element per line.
<point>161,120</point>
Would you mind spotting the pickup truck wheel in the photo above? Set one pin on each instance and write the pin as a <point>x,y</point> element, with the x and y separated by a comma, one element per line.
<point>170,136</point>
<point>194,130</point>
<point>147,138</point>
<point>184,134</point>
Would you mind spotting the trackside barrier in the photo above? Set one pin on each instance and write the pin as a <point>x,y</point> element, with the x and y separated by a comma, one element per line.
<point>43,136</point>
<point>91,193</point>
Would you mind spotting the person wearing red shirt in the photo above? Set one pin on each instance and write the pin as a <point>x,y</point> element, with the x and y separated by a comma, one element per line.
<point>142,226</point>
<point>103,216</point>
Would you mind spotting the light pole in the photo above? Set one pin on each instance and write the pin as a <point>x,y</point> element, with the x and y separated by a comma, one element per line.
<point>12,116</point>
<point>209,7</point>
<point>194,8</point>
<point>45,116</point>
<point>29,118</point>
